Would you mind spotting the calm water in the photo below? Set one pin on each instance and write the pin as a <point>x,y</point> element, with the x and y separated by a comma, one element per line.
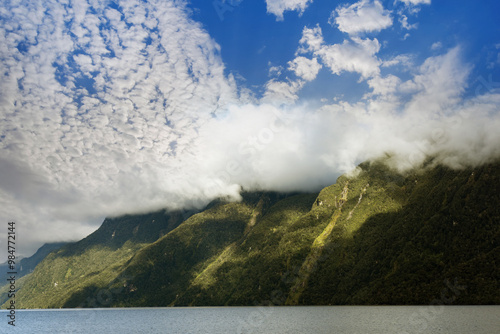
<point>311,320</point>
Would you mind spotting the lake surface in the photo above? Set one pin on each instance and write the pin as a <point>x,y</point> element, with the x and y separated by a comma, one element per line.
<point>275,320</point>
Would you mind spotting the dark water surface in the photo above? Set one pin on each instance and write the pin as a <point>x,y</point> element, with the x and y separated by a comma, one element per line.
<point>289,320</point>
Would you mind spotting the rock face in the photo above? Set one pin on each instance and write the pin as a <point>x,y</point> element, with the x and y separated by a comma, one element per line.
<point>375,237</point>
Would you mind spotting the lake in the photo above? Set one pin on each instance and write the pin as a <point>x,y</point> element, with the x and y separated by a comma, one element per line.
<point>301,319</point>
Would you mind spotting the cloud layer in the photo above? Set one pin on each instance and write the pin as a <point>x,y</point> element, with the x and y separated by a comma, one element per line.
<point>101,105</point>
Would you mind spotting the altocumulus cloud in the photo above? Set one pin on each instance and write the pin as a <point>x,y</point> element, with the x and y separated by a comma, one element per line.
<point>107,110</point>
<point>100,107</point>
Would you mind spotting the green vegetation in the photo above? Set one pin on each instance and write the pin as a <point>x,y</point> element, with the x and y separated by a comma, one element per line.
<point>23,268</point>
<point>93,262</point>
<point>374,237</point>
<point>28,264</point>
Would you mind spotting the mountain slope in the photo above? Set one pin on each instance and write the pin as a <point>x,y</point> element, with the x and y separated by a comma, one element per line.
<point>447,230</point>
<point>24,267</point>
<point>373,237</point>
<point>96,259</point>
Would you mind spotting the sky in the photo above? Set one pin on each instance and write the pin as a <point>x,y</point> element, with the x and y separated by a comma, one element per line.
<point>121,107</point>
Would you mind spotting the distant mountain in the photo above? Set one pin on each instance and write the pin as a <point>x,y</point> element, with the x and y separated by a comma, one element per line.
<point>374,237</point>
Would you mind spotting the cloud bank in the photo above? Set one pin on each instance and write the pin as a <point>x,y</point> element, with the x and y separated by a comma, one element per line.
<point>126,109</point>
<point>301,147</point>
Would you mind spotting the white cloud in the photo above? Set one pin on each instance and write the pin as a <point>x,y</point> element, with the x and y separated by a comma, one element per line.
<point>384,85</point>
<point>438,87</point>
<point>278,7</point>
<point>257,144</point>
<point>305,68</point>
<point>416,2</point>
<point>352,56</point>
<point>311,40</point>
<point>360,17</point>
<point>275,70</point>
<point>403,20</point>
<point>101,116</point>
<point>282,92</point>
<point>436,46</point>
<point>404,60</point>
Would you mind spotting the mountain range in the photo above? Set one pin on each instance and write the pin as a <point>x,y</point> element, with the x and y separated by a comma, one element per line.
<point>375,237</point>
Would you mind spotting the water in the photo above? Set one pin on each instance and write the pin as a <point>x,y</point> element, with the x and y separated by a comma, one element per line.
<point>275,320</point>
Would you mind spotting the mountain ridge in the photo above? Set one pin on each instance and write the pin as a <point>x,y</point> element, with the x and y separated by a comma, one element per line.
<point>376,236</point>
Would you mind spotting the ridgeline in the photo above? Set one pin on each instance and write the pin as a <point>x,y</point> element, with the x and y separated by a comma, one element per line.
<point>374,237</point>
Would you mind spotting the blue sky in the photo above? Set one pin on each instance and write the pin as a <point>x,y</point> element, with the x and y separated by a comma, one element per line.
<point>128,106</point>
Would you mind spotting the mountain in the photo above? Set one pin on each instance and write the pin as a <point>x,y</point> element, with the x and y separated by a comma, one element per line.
<point>96,257</point>
<point>428,236</point>
<point>25,266</point>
